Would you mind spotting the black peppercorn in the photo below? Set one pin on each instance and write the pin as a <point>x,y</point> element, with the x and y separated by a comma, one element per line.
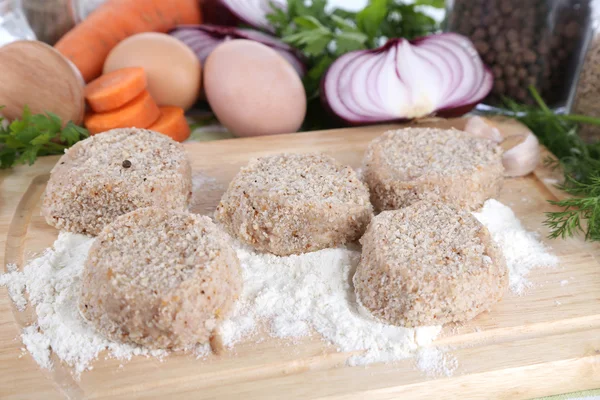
<point>531,41</point>
<point>126,164</point>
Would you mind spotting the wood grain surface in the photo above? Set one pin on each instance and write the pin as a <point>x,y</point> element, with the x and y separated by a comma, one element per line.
<point>542,343</point>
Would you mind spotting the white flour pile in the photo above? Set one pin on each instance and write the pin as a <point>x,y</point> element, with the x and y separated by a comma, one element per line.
<point>522,250</point>
<point>295,296</point>
<point>299,294</point>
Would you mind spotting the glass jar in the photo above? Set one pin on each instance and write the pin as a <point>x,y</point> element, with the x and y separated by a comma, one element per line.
<point>526,42</point>
<point>587,99</point>
<point>51,19</point>
<point>13,24</point>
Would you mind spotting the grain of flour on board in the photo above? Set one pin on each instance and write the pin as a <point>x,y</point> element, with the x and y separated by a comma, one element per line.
<point>294,296</point>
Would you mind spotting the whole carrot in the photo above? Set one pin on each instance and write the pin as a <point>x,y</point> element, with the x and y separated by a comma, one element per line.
<point>87,45</point>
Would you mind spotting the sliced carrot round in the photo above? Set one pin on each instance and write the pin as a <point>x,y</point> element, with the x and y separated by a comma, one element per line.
<point>172,123</point>
<point>139,113</point>
<point>115,89</point>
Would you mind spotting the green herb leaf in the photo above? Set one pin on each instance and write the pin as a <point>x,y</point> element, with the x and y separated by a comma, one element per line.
<point>7,158</point>
<point>579,161</point>
<point>309,22</point>
<point>72,133</point>
<point>41,139</point>
<point>344,24</point>
<point>370,18</point>
<point>431,3</point>
<point>349,41</point>
<point>55,121</point>
<point>28,155</point>
<point>36,135</point>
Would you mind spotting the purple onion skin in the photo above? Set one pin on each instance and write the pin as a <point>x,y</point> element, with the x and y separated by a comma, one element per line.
<point>219,32</point>
<point>453,112</point>
<point>214,12</point>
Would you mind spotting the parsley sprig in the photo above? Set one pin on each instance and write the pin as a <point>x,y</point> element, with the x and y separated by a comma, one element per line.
<point>33,135</point>
<point>579,161</point>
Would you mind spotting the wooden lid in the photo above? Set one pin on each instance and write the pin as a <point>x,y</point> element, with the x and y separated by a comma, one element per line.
<point>36,75</point>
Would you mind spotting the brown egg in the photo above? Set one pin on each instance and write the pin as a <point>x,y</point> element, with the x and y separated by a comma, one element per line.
<point>253,90</point>
<point>173,70</point>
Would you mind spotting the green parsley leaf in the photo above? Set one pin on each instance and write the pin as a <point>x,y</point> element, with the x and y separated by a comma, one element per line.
<point>349,41</point>
<point>371,17</point>
<point>35,135</point>
<point>431,3</point>
<point>28,155</point>
<point>41,139</point>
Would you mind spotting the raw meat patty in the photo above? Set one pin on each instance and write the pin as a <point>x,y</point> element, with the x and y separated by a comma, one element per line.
<point>161,279</point>
<point>295,203</point>
<point>113,173</point>
<point>413,164</point>
<point>429,264</point>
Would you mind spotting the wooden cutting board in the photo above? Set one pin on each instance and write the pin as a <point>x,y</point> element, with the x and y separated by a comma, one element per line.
<point>545,342</point>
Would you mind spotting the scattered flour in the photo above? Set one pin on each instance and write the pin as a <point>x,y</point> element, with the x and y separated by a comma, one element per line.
<point>522,250</point>
<point>53,282</point>
<point>564,282</point>
<point>202,351</point>
<point>294,296</point>
<point>15,282</point>
<point>435,362</point>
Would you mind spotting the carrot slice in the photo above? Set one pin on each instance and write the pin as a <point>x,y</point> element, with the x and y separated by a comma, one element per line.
<point>141,112</point>
<point>115,89</point>
<point>172,123</point>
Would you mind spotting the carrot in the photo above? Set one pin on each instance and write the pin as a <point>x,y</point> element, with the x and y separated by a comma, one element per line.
<point>141,112</point>
<point>172,123</point>
<point>115,89</point>
<point>88,44</point>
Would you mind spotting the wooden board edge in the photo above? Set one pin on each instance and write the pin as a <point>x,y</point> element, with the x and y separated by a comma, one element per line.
<point>532,368</point>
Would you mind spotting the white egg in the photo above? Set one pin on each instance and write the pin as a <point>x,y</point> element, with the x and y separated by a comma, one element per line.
<point>172,68</point>
<point>253,90</point>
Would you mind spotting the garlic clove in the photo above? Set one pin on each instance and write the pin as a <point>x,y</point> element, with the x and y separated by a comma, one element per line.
<point>521,154</point>
<point>481,127</point>
<point>521,147</point>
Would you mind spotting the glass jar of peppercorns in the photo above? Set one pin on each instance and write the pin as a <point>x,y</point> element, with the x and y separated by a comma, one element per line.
<point>526,42</point>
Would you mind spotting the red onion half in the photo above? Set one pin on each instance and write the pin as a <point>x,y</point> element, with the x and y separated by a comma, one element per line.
<point>203,39</point>
<point>438,74</point>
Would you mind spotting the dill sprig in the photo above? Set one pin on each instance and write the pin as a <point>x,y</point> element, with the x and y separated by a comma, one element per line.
<point>579,161</point>
<point>586,208</point>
